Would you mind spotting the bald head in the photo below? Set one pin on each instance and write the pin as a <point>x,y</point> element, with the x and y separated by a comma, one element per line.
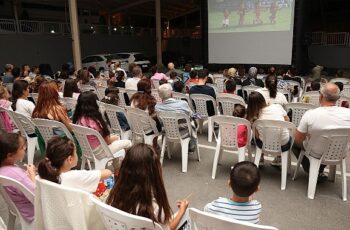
<point>330,92</point>
<point>171,66</point>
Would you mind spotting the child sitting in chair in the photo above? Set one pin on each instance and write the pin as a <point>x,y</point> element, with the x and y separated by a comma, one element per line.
<point>244,181</point>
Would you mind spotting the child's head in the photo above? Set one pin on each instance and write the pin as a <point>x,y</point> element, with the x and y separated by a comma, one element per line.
<point>111,96</point>
<point>179,86</point>
<point>193,74</point>
<point>173,75</point>
<point>230,86</point>
<point>315,85</point>
<point>239,111</point>
<point>244,179</point>
<point>140,177</point>
<point>4,94</point>
<point>12,148</point>
<point>163,81</point>
<point>60,153</point>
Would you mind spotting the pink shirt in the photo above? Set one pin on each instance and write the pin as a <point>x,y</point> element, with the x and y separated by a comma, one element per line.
<point>24,206</point>
<point>242,135</point>
<point>159,76</point>
<point>90,123</point>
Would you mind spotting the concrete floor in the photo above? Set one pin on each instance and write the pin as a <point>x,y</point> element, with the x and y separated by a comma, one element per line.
<point>289,209</point>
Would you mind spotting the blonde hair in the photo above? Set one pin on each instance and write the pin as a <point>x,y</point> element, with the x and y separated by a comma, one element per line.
<point>4,94</point>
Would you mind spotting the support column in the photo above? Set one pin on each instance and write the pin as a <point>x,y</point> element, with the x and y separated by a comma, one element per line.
<point>109,23</point>
<point>15,12</point>
<point>158,33</point>
<point>75,33</point>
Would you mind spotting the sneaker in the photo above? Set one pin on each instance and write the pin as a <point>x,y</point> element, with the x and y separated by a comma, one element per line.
<point>322,177</point>
<point>276,162</point>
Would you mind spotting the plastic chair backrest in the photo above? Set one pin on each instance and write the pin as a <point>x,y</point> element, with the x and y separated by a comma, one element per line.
<point>35,97</point>
<point>346,90</point>
<point>184,97</point>
<point>101,82</point>
<point>313,97</point>
<point>47,128</point>
<point>141,122</point>
<point>155,84</point>
<point>82,133</point>
<point>334,143</point>
<point>340,79</point>
<point>247,90</point>
<point>298,110</point>
<point>69,103</point>
<point>121,94</point>
<point>115,219</point>
<point>60,207</point>
<point>24,124</point>
<point>200,103</point>
<point>214,87</point>
<point>286,93</point>
<point>7,181</point>
<point>101,92</point>
<point>111,111</point>
<point>130,92</point>
<point>272,134</point>
<point>228,102</point>
<point>220,83</point>
<point>155,94</point>
<point>170,121</point>
<point>208,221</point>
<point>228,128</point>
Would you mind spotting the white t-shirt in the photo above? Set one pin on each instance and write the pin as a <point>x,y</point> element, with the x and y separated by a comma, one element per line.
<point>277,113</point>
<point>131,83</point>
<point>327,117</point>
<point>86,180</point>
<point>25,107</point>
<point>279,99</point>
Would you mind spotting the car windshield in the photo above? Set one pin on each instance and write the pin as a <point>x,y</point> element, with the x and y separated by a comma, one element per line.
<point>113,56</point>
<point>140,57</point>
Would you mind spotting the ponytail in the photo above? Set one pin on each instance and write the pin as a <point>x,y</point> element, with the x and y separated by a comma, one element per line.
<point>271,85</point>
<point>57,151</point>
<point>18,87</point>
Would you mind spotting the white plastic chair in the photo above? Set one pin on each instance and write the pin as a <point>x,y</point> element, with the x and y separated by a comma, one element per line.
<point>130,92</point>
<point>220,83</point>
<point>340,79</point>
<point>286,93</point>
<point>227,138</point>
<point>173,133</point>
<point>13,211</point>
<point>27,130</point>
<point>272,132</point>
<point>101,82</point>
<point>35,97</point>
<point>200,103</point>
<point>346,90</point>
<point>85,88</point>
<point>247,90</point>
<point>314,97</point>
<point>155,84</point>
<point>60,207</point>
<point>155,94</point>
<point>47,128</point>
<point>298,110</point>
<point>142,125</point>
<point>69,103</point>
<point>334,144</point>
<point>111,111</point>
<point>115,219</point>
<point>228,102</point>
<point>208,221</point>
<point>121,94</point>
<point>101,155</point>
<point>214,87</point>
<point>101,92</point>
<point>184,97</point>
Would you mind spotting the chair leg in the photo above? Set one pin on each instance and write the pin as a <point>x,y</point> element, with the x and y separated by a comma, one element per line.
<point>163,151</point>
<point>313,175</point>
<point>332,172</point>
<point>343,177</point>
<point>200,125</point>
<point>11,221</point>
<point>83,163</point>
<point>31,149</point>
<point>298,165</point>
<point>220,155</point>
<point>184,151</point>
<point>284,163</point>
<point>241,154</point>
<point>216,160</point>
<point>289,169</point>
<point>197,150</point>
<point>258,153</point>
<point>89,164</point>
<point>210,130</point>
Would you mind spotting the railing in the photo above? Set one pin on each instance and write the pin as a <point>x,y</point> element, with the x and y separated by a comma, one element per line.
<point>330,39</point>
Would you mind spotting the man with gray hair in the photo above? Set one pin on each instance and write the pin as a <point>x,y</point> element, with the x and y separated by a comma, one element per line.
<point>252,78</point>
<point>328,115</point>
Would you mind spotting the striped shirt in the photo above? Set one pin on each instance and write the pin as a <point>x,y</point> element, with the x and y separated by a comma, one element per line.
<point>248,211</point>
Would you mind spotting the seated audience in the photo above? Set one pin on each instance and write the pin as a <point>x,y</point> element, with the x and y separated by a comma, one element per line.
<point>173,78</point>
<point>130,69</point>
<point>258,109</point>
<point>20,102</point>
<point>242,131</point>
<point>119,79</point>
<point>201,88</point>
<point>71,88</point>
<point>61,156</point>
<point>84,78</point>
<point>186,74</point>
<point>131,83</point>
<point>111,97</point>
<point>146,188</point>
<point>12,150</point>
<point>292,75</point>
<point>340,85</point>
<point>38,80</point>
<point>270,92</point>
<point>252,78</point>
<point>156,75</point>
<point>230,86</point>
<point>328,115</point>
<point>8,77</point>
<point>315,86</point>
<point>5,103</point>
<point>193,77</point>
<point>179,87</point>
<point>87,114</point>
<point>244,182</point>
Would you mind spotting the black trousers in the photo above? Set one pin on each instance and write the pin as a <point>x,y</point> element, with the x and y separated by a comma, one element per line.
<point>305,161</point>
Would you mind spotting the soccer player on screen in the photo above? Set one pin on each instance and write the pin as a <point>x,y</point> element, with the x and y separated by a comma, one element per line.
<point>273,11</point>
<point>257,19</point>
<point>241,13</point>
<point>226,20</point>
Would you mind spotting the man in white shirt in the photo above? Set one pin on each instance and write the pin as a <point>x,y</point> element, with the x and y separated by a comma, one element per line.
<point>131,83</point>
<point>328,115</point>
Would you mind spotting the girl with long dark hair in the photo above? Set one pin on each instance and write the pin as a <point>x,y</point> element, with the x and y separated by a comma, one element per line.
<point>20,102</point>
<point>71,89</point>
<point>270,92</point>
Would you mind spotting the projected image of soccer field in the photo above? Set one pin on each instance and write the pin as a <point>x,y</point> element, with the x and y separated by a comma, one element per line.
<point>227,16</point>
